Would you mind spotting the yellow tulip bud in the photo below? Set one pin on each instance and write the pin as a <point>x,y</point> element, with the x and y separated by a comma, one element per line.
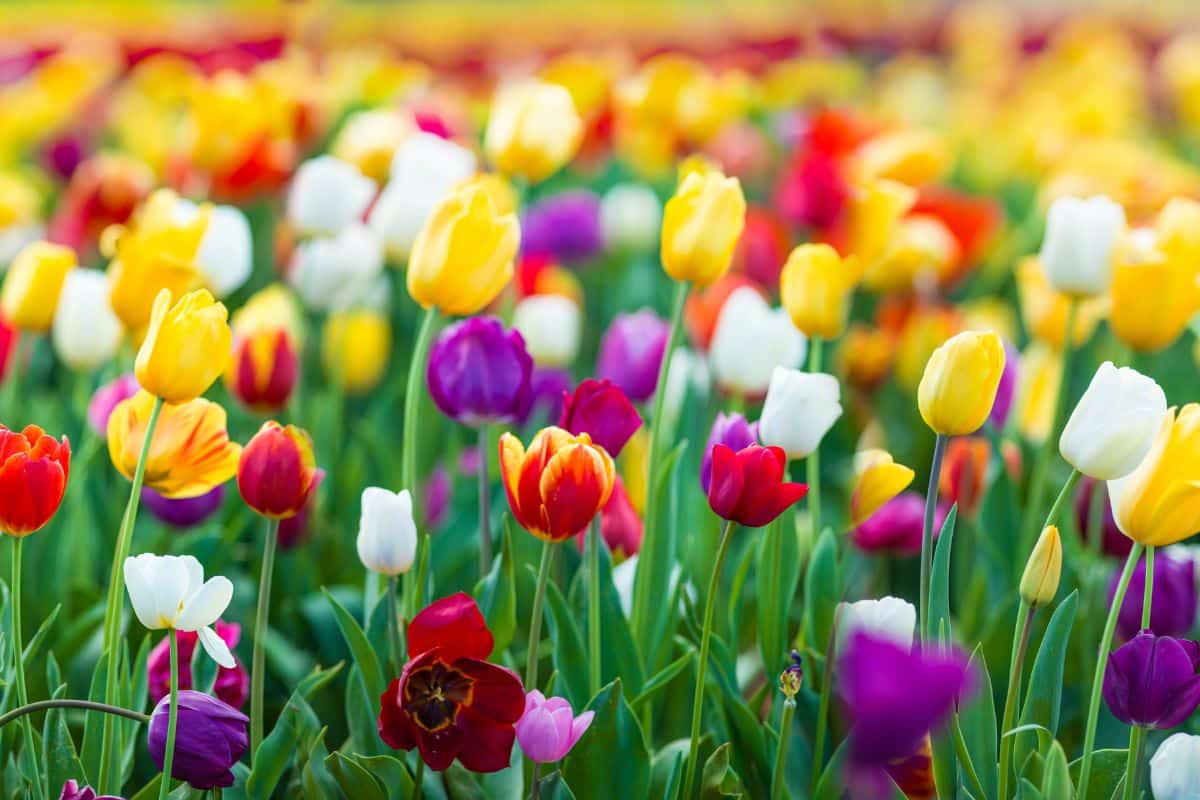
<point>701,226</point>
<point>504,197</point>
<point>815,289</point>
<point>1044,310</point>
<point>534,129</point>
<point>1159,502</point>
<point>926,328</point>
<point>875,213</point>
<point>1153,294</point>
<point>187,346</point>
<point>959,385</point>
<point>1039,582</point>
<point>356,346</point>
<point>33,284</point>
<point>463,257</point>
<point>878,478</point>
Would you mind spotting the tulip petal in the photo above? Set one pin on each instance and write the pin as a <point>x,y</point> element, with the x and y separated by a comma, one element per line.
<point>215,646</point>
<point>205,605</point>
<point>141,591</point>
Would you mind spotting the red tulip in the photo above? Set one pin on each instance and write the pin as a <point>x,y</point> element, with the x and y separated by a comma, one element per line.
<point>33,476</point>
<point>601,410</point>
<point>263,369</point>
<point>747,487</point>
<point>276,472</point>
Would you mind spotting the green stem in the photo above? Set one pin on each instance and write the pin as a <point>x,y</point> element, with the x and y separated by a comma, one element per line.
<point>164,788</point>
<point>964,759</point>
<point>115,602</point>
<point>1133,761</point>
<point>702,666</point>
<point>1089,735</point>
<point>822,726</point>
<point>935,471</point>
<point>1095,518</point>
<point>393,626</point>
<point>593,571</point>
<point>1064,496</point>
<point>485,530</point>
<point>785,734</point>
<point>258,677</point>
<point>19,665</point>
<point>1016,662</point>
<point>813,462</point>
<point>86,705</point>
<point>535,622</point>
<point>419,779</point>
<point>535,790</point>
<point>1148,592</point>
<point>410,443</point>
<point>643,589</point>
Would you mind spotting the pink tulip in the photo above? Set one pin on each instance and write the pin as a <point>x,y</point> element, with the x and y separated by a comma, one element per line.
<point>549,729</point>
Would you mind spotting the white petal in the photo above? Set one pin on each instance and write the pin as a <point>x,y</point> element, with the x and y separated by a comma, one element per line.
<point>215,646</point>
<point>141,590</point>
<point>206,605</point>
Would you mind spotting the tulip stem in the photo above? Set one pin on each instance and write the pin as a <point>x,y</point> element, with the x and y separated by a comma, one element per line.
<point>419,779</point>
<point>1133,761</point>
<point>822,724</point>
<point>1095,518</point>
<point>1110,625</point>
<point>115,602</point>
<point>1064,495</point>
<point>485,496</point>
<point>1148,594</point>
<point>594,607</point>
<point>964,757</point>
<point>164,787</point>
<point>393,626</point>
<point>935,471</point>
<point>258,676</point>
<point>535,622</point>
<point>535,788</point>
<point>1016,663</point>
<point>86,705</point>
<point>19,665</point>
<point>410,442</point>
<point>702,665</point>
<point>813,463</point>
<point>785,734</point>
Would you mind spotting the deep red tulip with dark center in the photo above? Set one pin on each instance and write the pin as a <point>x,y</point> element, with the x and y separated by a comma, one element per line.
<point>33,476</point>
<point>747,487</point>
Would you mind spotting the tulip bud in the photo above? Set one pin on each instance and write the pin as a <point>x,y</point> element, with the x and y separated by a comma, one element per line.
<point>86,331</point>
<point>186,347</point>
<point>630,216</point>
<point>210,738</point>
<point>799,410</point>
<point>34,468</point>
<point>878,478</point>
<point>1175,768</point>
<point>478,372</point>
<point>387,534</point>
<point>959,385</point>
<point>889,618</point>
<point>1153,294</point>
<point>549,728</point>
<point>336,272</point>
<point>815,289</point>
<point>1039,582</point>
<point>356,346</point>
<point>576,479</point>
<point>533,129</point>
<point>792,676</point>
<point>750,342</point>
<point>601,410</point>
<point>747,487</point>
<point>263,369</point>
<point>550,325</point>
<point>71,790</point>
<point>701,226</point>
<point>1114,423</point>
<point>1159,502</point>
<point>1078,244</point>
<point>1151,681</point>
<point>564,227</point>
<point>327,194</point>
<point>276,471</point>
<point>33,284</point>
<point>631,353</point>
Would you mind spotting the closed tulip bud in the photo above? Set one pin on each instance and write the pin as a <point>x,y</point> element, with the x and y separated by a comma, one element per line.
<point>631,353</point>
<point>86,332</point>
<point>1044,309</point>
<point>186,348</point>
<point>799,410</point>
<point>387,534</point>
<point>878,478</point>
<point>1151,681</point>
<point>327,194</point>
<point>1039,582</point>
<point>959,385</point>
<point>356,346</point>
<point>747,487</point>
<point>630,217</point>
<point>1078,244</point>
<point>815,289</point>
<point>277,471</point>
<point>225,257</point>
<point>889,618</point>
<point>1153,294</point>
<point>210,739</point>
<point>701,226</point>
<point>1114,424</point>
<point>169,592</point>
<point>463,257</point>
<point>750,342</point>
<point>563,226</point>
<point>1159,502</point>
<point>263,370</point>
<point>533,129</point>
<point>601,410</point>
<point>34,468</point>
<point>336,272</point>
<point>549,728</point>
<point>33,284</point>
<point>71,790</point>
<point>479,373</point>
<point>550,325</point>
<point>1175,768</point>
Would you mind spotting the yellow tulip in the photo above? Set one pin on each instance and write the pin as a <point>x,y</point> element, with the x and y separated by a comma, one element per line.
<point>534,129</point>
<point>1153,295</point>
<point>959,385</point>
<point>926,328</point>
<point>368,140</point>
<point>186,348</point>
<point>912,157</point>
<point>1038,382</point>
<point>356,346</point>
<point>634,463</point>
<point>1044,310</point>
<point>19,200</point>
<point>270,309</point>
<point>1043,570</point>
<point>496,186</point>
<point>586,78</point>
<point>878,478</point>
<point>463,257</point>
<point>33,284</point>
<point>701,226</point>
<point>190,452</point>
<point>865,356</point>
<point>1159,502</point>
<point>815,288</point>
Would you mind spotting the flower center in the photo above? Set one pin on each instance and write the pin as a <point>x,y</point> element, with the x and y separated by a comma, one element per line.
<point>433,695</point>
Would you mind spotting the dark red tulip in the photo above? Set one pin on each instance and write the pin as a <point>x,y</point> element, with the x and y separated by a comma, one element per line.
<point>601,410</point>
<point>747,487</point>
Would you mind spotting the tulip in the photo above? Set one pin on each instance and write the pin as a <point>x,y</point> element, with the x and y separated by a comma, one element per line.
<point>959,385</point>
<point>1151,681</point>
<point>547,387</point>
<point>964,473</point>
<point>620,526</point>
<point>747,486</point>
<point>211,739</point>
<point>326,195</point>
<point>701,226</point>
<point>878,479</point>
<point>387,534</point>
<point>1078,244</point>
<point>276,471</point>
<point>1114,424</point>
<point>72,791</point>
<point>184,512</point>
<point>1039,581</point>
<point>479,373</point>
<point>533,129</point>
<point>190,452</point>
<point>34,467</point>
<point>874,217</point>
<point>230,686</point>
<point>888,619</point>
<point>263,370</point>
<point>815,289</point>
<point>703,308</point>
<point>799,410</point>
<point>225,256</point>
<point>731,430</point>
<point>631,353</point>
<point>549,728</point>
<point>355,347</point>
<point>1172,599</point>
<point>33,284</point>
<point>602,411</point>
<point>186,348</point>
<point>762,248</point>
<point>1112,541</point>
<point>1045,310</point>
<point>169,592</point>
<point>369,139</point>
<point>106,399</point>
<point>750,342</point>
<point>334,273</point>
<point>1159,502</point>
<point>896,527</point>
<point>630,217</point>
<point>565,227</point>
<point>865,356</point>
<point>86,333</point>
<point>550,325</point>
<point>463,257</point>
<point>1153,294</point>
<point>1175,768</point>
<point>1038,390</point>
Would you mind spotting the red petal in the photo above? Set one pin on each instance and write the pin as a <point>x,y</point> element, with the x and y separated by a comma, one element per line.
<point>486,745</point>
<point>497,693</point>
<point>454,625</point>
<point>725,488</point>
<point>394,726</point>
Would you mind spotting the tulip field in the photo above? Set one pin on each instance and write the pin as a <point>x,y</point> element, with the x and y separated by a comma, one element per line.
<point>640,400</point>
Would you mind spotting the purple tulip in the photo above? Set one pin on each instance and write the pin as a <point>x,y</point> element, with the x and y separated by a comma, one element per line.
<point>1113,543</point>
<point>184,512</point>
<point>1152,682</point>
<point>631,353</point>
<point>601,410</point>
<point>549,729</point>
<point>438,492</point>
<point>731,430</point>
<point>1006,388</point>
<point>564,226</point>
<point>1173,604</point>
<point>210,737</point>
<point>896,527</point>
<point>64,154</point>
<point>479,372</point>
<point>106,398</point>
<point>72,791</point>
<point>547,385</point>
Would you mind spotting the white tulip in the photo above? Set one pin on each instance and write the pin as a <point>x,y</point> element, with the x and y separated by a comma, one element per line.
<point>888,618</point>
<point>1175,768</point>
<point>387,534</point>
<point>424,170</point>
<point>86,332</point>
<point>15,238</point>
<point>799,410</point>
<point>630,217</point>
<point>169,592</point>
<point>326,195</point>
<point>751,339</point>
<point>1114,424</point>
<point>550,325</point>
<point>1078,244</point>
<point>335,273</point>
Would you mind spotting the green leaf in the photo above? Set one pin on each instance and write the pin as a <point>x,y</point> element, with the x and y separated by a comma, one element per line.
<point>1043,701</point>
<point>497,592</point>
<point>356,781</point>
<point>718,778</point>
<point>554,787</point>
<point>356,640</point>
<point>664,676</point>
<point>667,759</point>
<point>612,759</point>
<point>619,654</point>
<point>361,713</point>
<point>58,748</point>
<point>390,772</point>
<point>1056,778</point>
<point>822,588</point>
<point>1108,770</point>
<point>314,775</point>
<point>832,781</point>
<point>939,588</point>
<point>978,723</point>
<point>662,537</point>
<point>570,659</point>
<point>776,576</point>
